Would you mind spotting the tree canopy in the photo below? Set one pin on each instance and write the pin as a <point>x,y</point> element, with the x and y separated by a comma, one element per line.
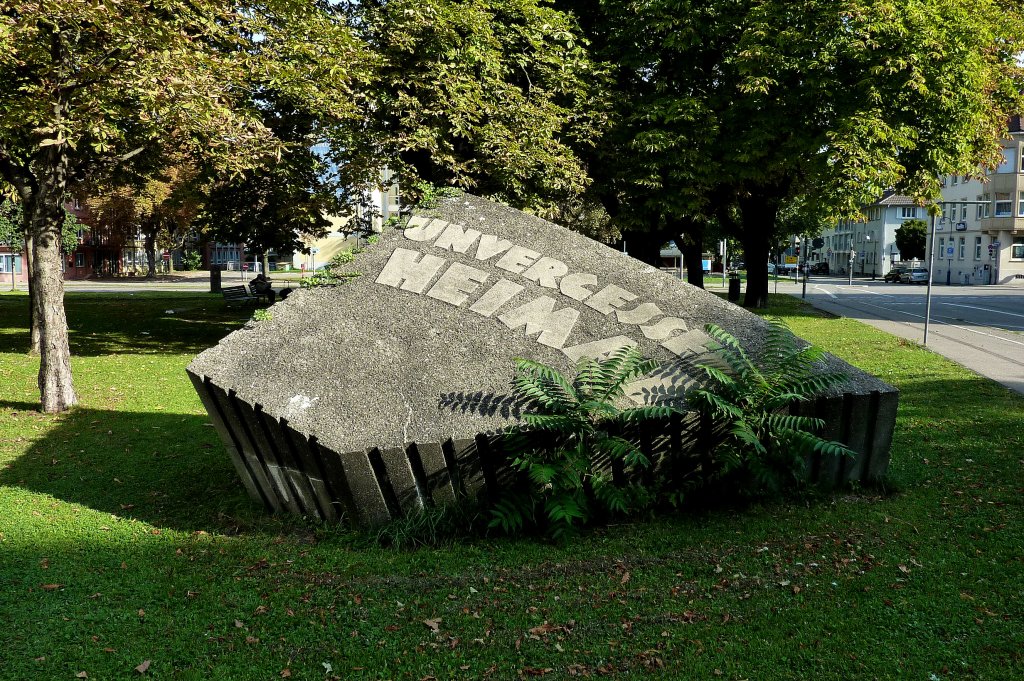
<point>750,103</point>
<point>911,238</point>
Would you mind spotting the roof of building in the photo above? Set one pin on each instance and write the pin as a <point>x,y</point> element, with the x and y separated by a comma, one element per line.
<point>891,198</point>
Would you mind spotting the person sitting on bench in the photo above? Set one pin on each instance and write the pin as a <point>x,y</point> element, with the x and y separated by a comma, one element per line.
<point>261,287</point>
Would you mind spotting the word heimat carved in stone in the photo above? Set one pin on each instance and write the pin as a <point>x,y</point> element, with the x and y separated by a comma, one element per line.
<point>375,398</point>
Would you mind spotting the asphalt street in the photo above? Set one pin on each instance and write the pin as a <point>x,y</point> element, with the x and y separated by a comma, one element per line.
<point>979,327</point>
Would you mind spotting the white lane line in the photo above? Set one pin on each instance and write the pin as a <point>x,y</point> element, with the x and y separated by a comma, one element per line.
<point>827,293</point>
<point>955,326</point>
<point>985,309</point>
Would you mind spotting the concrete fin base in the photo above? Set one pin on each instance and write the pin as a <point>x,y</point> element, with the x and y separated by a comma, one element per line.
<point>286,471</point>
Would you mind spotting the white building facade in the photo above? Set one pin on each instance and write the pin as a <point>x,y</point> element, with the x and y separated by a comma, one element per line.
<point>872,239</point>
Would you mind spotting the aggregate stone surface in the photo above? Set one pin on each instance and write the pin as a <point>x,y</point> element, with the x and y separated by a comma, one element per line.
<point>372,364</point>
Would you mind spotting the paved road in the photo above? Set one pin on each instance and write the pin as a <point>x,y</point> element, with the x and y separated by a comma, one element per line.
<point>981,328</point>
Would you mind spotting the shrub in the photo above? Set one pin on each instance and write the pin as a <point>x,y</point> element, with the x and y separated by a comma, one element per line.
<point>758,444</point>
<point>569,442</point>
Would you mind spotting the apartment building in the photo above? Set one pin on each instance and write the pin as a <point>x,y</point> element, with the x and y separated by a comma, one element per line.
<point>868,245</point>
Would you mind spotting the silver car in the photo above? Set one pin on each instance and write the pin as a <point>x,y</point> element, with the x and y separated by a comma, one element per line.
<point>915,275</point>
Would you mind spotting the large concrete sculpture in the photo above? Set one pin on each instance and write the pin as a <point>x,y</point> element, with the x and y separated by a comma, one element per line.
<point>388,393</point>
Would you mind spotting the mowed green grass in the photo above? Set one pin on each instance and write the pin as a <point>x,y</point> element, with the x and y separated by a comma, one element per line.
<point>125,537</point>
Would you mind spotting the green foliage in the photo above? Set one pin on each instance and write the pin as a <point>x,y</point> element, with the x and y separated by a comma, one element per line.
<point>433,526</point>
<point>495,96</point>
<point>262,315</point>
<point>12,225</point>
<point>426,195</point>
<point>759,445</point>
<point>570,437</point>
<point>911,238</point>
<point>335,272</point>
<point>192,261</point>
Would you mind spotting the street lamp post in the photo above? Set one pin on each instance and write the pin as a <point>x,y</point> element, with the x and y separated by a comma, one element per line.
<point>853,258</point>
<point>931,264</point>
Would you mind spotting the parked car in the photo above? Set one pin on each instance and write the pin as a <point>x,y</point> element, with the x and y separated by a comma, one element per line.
<point>895,274</point>
<point>915,275</point>
<point>819,268</point>
<point>771,268</point>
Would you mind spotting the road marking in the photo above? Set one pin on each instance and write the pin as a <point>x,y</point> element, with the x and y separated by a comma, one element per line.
<point>827,293</point>
<point>939,321</point>
<point>985,309</point>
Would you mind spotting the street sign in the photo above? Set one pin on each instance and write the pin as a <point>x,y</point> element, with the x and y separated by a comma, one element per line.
<point>961,226</point>
<point>950,250</point>
<point>167,256</point>
<point>245,267</point>
<point>995,244</point>
<point>818,242</point>
<point>314,251</point>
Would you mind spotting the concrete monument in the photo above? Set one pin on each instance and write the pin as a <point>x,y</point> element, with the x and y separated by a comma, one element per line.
<point>388,393</point>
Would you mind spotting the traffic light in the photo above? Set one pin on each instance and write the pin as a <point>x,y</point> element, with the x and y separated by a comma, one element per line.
<point>798,250</point>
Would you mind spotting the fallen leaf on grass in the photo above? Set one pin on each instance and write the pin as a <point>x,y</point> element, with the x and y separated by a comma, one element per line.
<point>239,624</point>
<point>434,624</point>
<point>286,673</point>
<point>547,628</point>
<point>143,667</point>
<point>625,577</point>
<point>251,639</point>
<point>50,587</point>
<point>81,675</point>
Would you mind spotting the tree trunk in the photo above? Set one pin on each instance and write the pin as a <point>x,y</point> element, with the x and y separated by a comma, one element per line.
<point>30,267</point>
<point>150,245</point>
<point>266,265</point>
<point>759,214</point>
<point>45,215</point>
<point>645,245</point>
<point>691,243</point>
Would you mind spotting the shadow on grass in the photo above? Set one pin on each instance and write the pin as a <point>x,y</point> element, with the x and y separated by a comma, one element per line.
<point>113,323</point>
<point>169,470</point>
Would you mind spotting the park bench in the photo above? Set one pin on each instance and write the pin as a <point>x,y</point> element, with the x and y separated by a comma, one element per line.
<point>238,294</point>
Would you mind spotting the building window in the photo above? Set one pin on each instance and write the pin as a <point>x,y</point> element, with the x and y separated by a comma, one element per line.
<point>963,212</point>
<point>978,216</point>
<point>1017,251</point>
<point>1007,165</point>
<point>907,211</point>
<point>988,205</point>
<point>1020,204</point>
<point>1002,207</point>
<point>963,247</point>
<point>977,248</point>
<point>79,259</point>
<point>955,179</point>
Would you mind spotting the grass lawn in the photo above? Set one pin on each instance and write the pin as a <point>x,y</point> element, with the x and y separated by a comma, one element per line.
<point>126,540</point>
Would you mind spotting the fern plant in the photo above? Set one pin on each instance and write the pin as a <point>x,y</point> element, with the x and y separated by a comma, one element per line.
<point>571,439</point>
<point>758,441</point>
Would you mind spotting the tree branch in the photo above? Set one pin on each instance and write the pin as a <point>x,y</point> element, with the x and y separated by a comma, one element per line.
<point>16,174</point>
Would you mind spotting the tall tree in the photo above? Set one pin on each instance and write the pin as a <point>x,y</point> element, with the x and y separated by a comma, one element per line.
<point>285,201</point>
<point>88,86</point>
<point>160,206</point>
<point>491,95</point>
<point>911,239</point>
<point>749,103</point>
